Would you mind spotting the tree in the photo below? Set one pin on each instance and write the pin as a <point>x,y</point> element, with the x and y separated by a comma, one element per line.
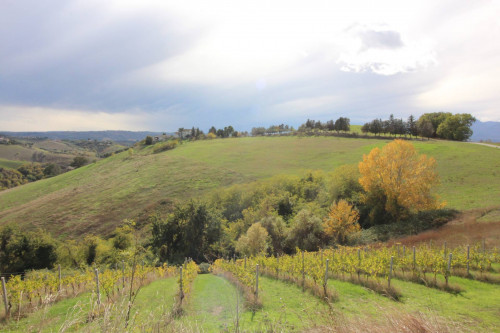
<point>190,231</point>
<point>148,140</point>
<point>400,178</point>
<point>456,127</point>
<point>411,126</point>
<point>435,118</point>
<point>51,170</point>
<point>345,183</point>
<point>256,131</point>
<point>254,241</point>
<point>276,228</point>
<point>22,250</point>
<point>181,132</point>
<point>425,128</point>
<point>306,232</point>
<point>79,161</point>
<point>342,220</point>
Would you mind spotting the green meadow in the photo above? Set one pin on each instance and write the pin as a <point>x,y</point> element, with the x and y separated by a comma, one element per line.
<point>99,196</point>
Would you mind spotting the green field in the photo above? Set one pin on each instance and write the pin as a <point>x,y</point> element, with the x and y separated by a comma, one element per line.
<point>212,306</point>
<point>10,164</point>
<point>99,196</point>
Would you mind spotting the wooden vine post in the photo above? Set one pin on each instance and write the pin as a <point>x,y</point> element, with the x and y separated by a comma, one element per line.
<point>390,273</point>
<point>448,269</point>
<point>123,275</point>
<point>97,286</point>
<point>257,281</point>
<point>359,263</point>
<point>181,292</point>
<point>5,300</point>
<point>468,257</point>
<point>245,263</point>
<point>326,277</point>
<point>414,259</point>
<point>303,273</point>
<point>60,280</point>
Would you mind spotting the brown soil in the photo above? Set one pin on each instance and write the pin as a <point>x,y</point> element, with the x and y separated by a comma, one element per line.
<point>467,228</point>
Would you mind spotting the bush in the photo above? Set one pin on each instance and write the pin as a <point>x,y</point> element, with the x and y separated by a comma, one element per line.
<point>79,161</point>
<point>204,268</point>
<point>159,147</point>
<point>24,250</point>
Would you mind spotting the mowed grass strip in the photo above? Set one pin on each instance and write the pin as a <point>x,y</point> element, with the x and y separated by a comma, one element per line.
<point>154,302</point>
<point>212,305</point>
<point>99,196</point>
<point>476,307</point>
<point>69,312</point>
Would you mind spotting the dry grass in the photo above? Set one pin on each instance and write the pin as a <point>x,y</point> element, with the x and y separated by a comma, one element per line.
<point>390,320</point>
<point>465,229</point>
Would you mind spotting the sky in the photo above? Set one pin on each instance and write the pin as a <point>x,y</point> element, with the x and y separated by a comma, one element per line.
<point>160,65</point>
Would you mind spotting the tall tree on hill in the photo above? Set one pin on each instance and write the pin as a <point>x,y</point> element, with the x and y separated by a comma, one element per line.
<point>181,132</point>
<point>425,128</point>
<point>212,130</point>
<point>330,125</point>
<point>411,126</point>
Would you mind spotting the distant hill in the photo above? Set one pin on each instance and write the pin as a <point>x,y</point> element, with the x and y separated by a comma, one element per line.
<point>116,136</point>
<point>489,130</point>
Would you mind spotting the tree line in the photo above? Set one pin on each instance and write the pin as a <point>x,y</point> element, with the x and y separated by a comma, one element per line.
<point>28,172</point>
<point>443,125</point>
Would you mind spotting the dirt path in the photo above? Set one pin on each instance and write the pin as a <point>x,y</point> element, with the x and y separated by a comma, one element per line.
<point>486,144</point>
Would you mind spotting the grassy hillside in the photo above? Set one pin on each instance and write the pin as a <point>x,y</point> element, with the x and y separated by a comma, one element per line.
<point>23,153</point>
<point>97,197</point>
<point>4,163</point>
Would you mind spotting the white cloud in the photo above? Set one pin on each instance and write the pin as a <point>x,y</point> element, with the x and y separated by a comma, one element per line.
<point>382,50</point>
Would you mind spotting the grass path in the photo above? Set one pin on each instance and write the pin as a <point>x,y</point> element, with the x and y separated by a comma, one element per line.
<point>212,304</point>
<point>477,306</point>
<point>54,317</point>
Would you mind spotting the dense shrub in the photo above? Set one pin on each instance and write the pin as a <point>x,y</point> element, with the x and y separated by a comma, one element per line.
<point>163,146</point>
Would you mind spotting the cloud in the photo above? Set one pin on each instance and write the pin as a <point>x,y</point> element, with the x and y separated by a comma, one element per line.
<point>378,49</point>
<point>161,65</point>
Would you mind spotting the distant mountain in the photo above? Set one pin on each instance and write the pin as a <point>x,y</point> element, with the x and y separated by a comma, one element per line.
<point>116,136</point>
<point>489,130</point>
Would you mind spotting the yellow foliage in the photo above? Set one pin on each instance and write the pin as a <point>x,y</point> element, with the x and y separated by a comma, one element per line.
<point>342,220</point>
<point>403,176</point>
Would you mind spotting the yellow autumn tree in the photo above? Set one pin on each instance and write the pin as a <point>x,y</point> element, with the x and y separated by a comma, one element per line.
<point>400,179</point>
<point>341,221</point>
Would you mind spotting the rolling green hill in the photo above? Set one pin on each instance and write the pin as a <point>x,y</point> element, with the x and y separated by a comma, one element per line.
<point>95,198</point>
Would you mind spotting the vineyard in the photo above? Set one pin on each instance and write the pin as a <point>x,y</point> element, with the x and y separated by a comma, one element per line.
<point>328,275</point>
